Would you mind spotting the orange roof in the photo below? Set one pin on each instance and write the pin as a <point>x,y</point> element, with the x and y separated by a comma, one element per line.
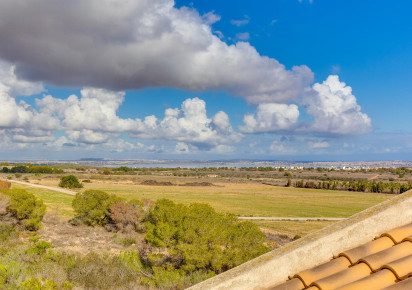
<point>384,263</point>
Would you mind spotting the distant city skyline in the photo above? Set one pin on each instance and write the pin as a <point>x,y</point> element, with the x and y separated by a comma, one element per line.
<point>161,79</point>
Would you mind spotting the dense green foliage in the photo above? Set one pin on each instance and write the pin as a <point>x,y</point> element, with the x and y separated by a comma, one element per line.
<point>70,181</point>
<point>185,243</point>
<point>92,207</point>
<point>26,208</point>
<point>31,169</point>
<point>361,186</point>
<point>197,239</point>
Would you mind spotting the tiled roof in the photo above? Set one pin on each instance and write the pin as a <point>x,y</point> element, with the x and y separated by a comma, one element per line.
<point>384,263</point>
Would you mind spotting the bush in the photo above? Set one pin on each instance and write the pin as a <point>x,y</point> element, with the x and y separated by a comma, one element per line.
<point>6,231</point>
<point>128,241</point>
<point>70,181</point>
<point>197,238</point>
<point>96,272</point>
<point>126,216</point>
<point>28,209</point>
<point>4,184</point>
<point>43,284</point>
<point>92,207</point>
<point>39,248</point>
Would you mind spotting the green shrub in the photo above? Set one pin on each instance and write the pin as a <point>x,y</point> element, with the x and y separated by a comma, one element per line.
<point>70,181</point>
<point>43,284</point>
<point>6,231</point>
<point>128,241</point>
<point>92,207</point>
<point>39,248</point>
<point>199,238</point>
<point>28,209</point>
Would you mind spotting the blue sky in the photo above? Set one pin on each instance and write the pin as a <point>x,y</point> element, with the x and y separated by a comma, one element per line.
<point>279,80</point>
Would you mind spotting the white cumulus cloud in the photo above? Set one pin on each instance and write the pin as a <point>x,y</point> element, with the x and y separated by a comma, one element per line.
<point>271,118</point>
<point>334,109</point>
<point>96,110</point>
<point>16,86</point>
<point>190,124</point>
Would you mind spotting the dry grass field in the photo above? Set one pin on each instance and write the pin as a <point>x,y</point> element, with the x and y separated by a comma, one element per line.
<point>244,199</point>
<point>241,196</point>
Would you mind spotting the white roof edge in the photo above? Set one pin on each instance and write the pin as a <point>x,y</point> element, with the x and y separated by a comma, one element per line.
<point>274,267</point>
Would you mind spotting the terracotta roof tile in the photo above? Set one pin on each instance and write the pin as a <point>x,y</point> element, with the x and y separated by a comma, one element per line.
<point>324,270</point>
<point>398,234</point>
<point>293,284</point>
<point>405,284</point>
<point>377,260</point>
<point>341,278</point>
<point>375,281</point>
<point>401,267</point>
<point>367,249</point>
<point>407,239</point>
<point>383,262</point>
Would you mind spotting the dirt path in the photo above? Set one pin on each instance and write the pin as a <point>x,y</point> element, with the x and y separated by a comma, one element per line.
<point>374,177</point>
<point>291,218</point>
<point>66,191</point>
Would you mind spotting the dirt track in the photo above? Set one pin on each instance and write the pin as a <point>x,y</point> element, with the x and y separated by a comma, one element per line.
<point>66,191</point>
<point>291,218</point>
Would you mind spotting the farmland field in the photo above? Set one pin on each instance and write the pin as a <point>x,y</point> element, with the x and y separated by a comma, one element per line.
<point>245,199</point>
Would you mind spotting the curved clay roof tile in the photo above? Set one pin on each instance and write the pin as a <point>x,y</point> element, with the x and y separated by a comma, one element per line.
<point>398,234</point>
<point>323,270</point>
<point>377,260</point>
<point>344,277</point>
<point>377,280</point>
<point>367,249</point>
<point>405,284</point>
<point>401,267</point>
<point>294,284</point>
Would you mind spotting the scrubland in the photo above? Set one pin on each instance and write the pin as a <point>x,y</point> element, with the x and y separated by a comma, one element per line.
<point>69,250</point>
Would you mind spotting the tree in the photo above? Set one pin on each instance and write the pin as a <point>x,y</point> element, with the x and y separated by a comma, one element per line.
<point>92,207</point>
<point>28,209</point>
<point>70,181</point>
<point>197,238</point>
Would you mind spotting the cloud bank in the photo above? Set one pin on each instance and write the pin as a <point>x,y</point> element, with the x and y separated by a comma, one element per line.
<point>109,46</point>
<point>121,45</point>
